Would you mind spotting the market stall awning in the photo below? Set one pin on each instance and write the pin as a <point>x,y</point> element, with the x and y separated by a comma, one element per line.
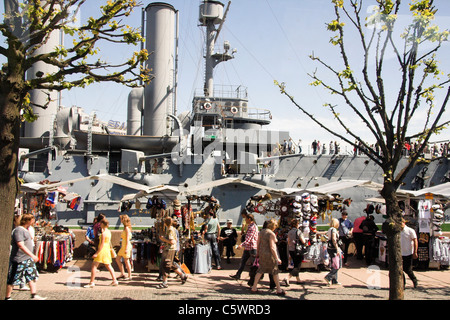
<point>336,186</point>
<point>162,190</point>
<point>333,187</point>
<point>37,187</point>
<point>225,181</point>
<point>441,190</point>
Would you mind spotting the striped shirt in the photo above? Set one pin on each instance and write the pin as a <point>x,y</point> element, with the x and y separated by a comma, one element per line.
<point>251,237</point>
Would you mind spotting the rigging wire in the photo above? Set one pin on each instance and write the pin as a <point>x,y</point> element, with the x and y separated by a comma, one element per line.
<point>251,54</point>
<point>291,46</point>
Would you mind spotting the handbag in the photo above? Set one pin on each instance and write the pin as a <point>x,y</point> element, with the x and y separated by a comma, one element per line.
<point>300,249</point>
<point>330,245</point>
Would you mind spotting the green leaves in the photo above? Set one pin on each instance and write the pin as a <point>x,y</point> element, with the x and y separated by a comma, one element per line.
<point>335,25</point>
<point>78,61</point>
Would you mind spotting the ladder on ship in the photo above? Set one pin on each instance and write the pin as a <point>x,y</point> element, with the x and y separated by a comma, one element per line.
<point>335,163</point>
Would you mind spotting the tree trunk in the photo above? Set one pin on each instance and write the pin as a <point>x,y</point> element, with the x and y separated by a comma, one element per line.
<point>9,147</point>
<point>392,229</point>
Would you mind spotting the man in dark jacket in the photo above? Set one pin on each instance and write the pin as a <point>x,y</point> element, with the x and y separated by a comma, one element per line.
<point>369,230</point>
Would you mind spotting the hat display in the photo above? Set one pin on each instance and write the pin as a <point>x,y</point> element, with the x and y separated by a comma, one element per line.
<point>306,197</point>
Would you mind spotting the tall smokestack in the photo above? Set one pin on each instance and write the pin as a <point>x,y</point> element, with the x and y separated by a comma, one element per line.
<point>160,43</point>
<point>43,125</point>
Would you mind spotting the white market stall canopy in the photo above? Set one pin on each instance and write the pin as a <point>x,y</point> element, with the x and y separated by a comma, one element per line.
<point>440,190</point>
<point>37,187</point>
<point>334,187</point>
<point>224,181</point>
<point>162,190</point>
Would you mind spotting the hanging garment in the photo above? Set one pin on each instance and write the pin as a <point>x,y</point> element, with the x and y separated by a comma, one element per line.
<point>202,258</point>
<point>424,209</point>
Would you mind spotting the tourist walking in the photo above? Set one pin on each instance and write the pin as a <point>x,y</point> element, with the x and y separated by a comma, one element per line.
<point>249,244</point>
<point>267,256</point>
<point>167,258</point>
<point>409,245</point>
<point>22,261</point>
<point>335,253</point>
<point>125,249</point>
<point>295,236</point>
<point>98,230</point>
<point>103,255</point>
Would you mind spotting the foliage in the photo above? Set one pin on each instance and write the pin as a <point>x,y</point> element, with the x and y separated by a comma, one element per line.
<point>365,93</point>
<point>28,26</point>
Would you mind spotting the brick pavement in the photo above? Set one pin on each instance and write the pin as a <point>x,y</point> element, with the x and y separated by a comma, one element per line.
<point>357,283</point>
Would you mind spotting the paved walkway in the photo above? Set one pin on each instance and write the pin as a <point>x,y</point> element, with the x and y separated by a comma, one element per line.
<point>357,283</point>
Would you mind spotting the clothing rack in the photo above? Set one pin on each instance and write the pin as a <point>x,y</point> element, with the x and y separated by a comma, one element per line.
<point>54,251</point>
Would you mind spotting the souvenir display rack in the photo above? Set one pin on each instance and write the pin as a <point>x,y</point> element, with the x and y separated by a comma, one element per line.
<point>306,208</point>
<point>147,247</point>
<point>54,246</point>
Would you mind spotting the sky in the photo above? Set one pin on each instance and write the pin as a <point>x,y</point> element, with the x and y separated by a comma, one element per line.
<point>274,39</point>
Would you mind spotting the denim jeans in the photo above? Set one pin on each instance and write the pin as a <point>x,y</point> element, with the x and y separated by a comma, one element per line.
<point>245,256</point>
<point>333,276</point>
<point>212,239</point>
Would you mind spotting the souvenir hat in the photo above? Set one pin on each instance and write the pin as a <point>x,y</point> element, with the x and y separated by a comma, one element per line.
<point>306,197</point>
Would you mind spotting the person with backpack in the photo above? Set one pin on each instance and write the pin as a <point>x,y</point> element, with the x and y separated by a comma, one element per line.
<point>345,233</point>
<point>334,251</point>
<point>296,248</point>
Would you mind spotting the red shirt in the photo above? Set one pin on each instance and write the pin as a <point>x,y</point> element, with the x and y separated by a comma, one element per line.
<point>357,223</point>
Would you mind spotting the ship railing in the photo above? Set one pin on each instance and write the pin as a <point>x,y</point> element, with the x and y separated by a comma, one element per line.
<point>259,114</point>
<point>226,91</point>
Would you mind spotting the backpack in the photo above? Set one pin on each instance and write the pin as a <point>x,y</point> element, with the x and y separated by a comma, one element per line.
<point>149,204</point>
<point>300,248</point>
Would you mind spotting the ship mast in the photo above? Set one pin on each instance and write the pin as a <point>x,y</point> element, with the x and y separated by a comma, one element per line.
<point>211,14</point>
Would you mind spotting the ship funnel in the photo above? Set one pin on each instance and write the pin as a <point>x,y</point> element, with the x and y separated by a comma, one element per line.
<point>135,106</point>
<point>45,102</point>
<point>160,43</point>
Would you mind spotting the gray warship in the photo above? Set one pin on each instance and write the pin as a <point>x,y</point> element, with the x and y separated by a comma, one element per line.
<point>219,149</point>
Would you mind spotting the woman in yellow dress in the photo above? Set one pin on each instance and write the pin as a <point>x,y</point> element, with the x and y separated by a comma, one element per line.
<point>103,255</point>
<point>125,249</point>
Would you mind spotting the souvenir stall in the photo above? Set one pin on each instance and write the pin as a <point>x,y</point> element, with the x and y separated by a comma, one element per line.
<point>159,204</point>
<point>54,244</point>
<point>434,247</point>
<point>424,211</point>
<point>307,208</point>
